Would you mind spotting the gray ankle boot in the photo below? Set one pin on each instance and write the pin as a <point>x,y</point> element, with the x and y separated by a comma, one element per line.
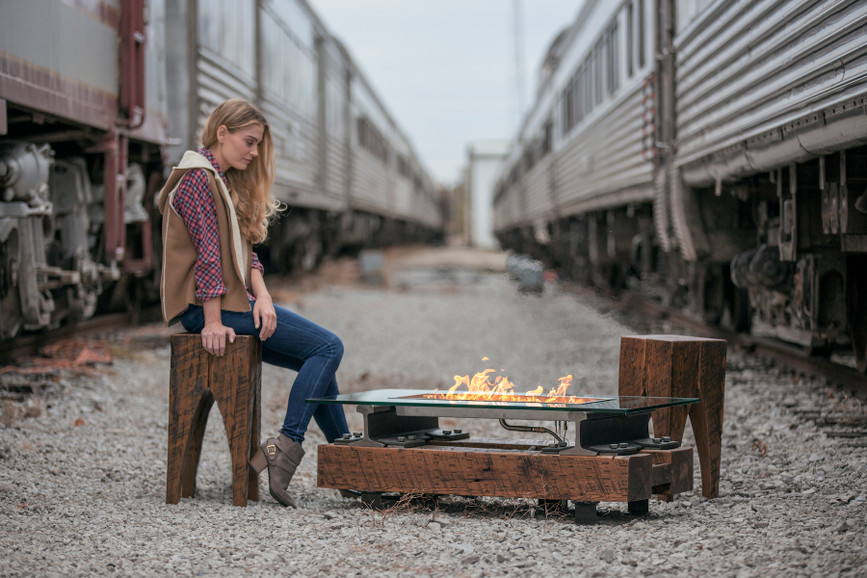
<point>281,456</point>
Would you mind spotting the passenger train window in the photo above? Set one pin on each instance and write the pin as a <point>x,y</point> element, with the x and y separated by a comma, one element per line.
<point>597,74</point>
<point>641,40</point>
<point>629,40</point>
<point>613,59</point>
<point>546,138</point>
<point>370,139</point>
<point>597,78</point>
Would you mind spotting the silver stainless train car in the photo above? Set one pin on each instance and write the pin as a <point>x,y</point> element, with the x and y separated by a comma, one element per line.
<point>97,99</point>
<point>713,151</point>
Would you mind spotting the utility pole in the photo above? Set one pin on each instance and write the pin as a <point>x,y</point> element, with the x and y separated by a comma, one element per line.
<point>518,38</point>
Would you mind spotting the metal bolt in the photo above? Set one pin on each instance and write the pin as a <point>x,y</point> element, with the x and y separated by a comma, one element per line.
<point>447,432</point>
<point>357,434</point>
<point>412,437</point>
<point>656,440</point>
<point>612,446</point>
<point>401,439</point>
<point>346,436</point>
<point>623,445</point>
<point>666,438</point>
<point>459,431</point>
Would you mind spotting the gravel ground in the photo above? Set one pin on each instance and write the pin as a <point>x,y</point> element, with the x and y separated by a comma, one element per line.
<point>82,459</point>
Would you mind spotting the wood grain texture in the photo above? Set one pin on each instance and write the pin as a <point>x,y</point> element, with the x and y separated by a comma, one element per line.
<point>681,366</point>
<point>485,472</point>
<point>197,380</point>
<point>672,470</point>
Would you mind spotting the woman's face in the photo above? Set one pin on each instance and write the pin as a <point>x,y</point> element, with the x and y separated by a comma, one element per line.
<point>238,149</point>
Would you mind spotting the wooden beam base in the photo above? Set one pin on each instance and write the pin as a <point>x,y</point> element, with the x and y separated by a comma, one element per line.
<point>497,472</point>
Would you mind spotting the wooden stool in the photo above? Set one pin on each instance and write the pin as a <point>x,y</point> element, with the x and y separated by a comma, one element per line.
<point>197,380</point>
<point>678,366</point>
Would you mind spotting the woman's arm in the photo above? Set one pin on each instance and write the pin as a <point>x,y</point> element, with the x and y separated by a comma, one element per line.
<point>214,333</point>
<point>195,204</point>
<point>264,316</point>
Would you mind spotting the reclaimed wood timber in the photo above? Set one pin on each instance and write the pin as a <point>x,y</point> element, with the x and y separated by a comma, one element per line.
<point>672,470</point>
<point>681,366</point>
<point>198,380</point>
<point>235,382</point>
<point>189,404</point>
<point>661,476</point>
<point>485,472</point>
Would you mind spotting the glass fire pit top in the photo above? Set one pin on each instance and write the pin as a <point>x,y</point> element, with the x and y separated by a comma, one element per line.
<point>517,401</point>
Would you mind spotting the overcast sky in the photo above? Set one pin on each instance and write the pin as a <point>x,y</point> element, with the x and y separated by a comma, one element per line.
<point>446,69</point>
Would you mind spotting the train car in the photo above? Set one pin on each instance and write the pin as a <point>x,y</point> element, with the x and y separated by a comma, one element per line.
<point>390,197</point>
<point>583,159</point>
<point>714,153</point>
<point>96,106</point>
<point>81,131</point>
<point>338,150</point>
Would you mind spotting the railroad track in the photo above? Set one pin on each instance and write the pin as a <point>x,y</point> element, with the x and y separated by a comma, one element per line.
<point>34,344</point>
<point>793,357</point>
<point>849,423</point>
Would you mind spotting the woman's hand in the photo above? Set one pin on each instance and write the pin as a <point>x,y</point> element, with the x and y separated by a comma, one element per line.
<point>214,338</point>
<point>264,316</point>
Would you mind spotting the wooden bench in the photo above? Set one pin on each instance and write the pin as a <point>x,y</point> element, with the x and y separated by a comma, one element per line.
<point>679,366</point>
<point>197,380</point>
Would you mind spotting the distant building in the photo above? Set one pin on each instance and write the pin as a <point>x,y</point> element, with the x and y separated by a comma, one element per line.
<point>484,164</point>
<point>457,223</point>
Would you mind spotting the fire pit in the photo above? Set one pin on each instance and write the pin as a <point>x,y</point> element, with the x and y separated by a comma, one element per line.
<point>598,450</point>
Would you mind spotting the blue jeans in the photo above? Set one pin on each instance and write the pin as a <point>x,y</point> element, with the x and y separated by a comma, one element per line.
<point>301,346</point>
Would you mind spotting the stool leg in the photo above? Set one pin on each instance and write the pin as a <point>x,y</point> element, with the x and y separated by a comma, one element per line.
<point>236,397</point>
<point>180,426</point>
<point>255,436</point>
<point>194,447</point>
<point>186,431</point>
<point>707,417</point>
<point>187,388</point>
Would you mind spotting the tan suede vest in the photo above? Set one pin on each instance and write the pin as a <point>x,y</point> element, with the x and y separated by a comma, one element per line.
<point>178,283</point>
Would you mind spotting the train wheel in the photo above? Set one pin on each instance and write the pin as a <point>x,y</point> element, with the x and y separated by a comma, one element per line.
<point>737,315</point>
<point>708,298</point>
<point>10,304</point>
<point>858,311</point>
<point>134,302</point>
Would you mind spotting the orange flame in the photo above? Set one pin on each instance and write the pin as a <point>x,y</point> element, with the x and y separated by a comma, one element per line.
<point>487,387</point>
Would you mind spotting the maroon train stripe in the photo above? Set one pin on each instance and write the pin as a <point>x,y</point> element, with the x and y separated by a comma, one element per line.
<point>51,93</point>
<point>98,10</point>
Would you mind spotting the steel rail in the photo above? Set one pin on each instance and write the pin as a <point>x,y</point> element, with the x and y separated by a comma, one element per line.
<point>32,344</point>
<point>791,357</point>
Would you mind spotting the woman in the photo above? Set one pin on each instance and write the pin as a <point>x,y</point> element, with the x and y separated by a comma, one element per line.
<point>215,205</point>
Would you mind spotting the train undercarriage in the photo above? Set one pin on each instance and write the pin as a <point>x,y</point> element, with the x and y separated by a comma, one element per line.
<point>780,254</point>
<point>301,239</point>
<point>56,266</point>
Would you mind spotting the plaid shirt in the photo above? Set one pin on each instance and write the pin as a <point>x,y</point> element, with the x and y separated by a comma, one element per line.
<point>195,204</point>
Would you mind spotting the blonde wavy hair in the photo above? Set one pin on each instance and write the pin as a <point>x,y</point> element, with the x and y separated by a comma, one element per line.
<point>250,188</point>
